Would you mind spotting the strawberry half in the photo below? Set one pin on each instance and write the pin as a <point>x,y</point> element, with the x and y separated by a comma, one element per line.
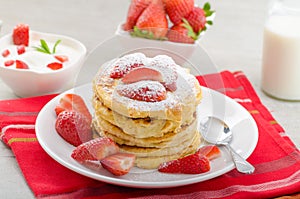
<point>73,127</point>
<point>210,151</point>
<point>55,65</point>
<point>152,23</point>
<point>140,74</point>
<point>95,149</point>
<point>178,9</point>
<point>21,34</point>
<point>119,163</point>
<point>74,102</point>
<point>191,164</point>
<point>21,65</point>
<point>135,10</point>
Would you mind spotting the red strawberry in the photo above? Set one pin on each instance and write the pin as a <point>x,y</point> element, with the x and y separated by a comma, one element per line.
<point>143,91</point>
<point>140,74</point>
<point>152,23</point>
<point>120,71</point>
<point>95,149</point>
<point>21,34</point>
<point>74,102</point>
<point>210,151</point>
<point>21,49</point>
<point>119,163</point>
<point>197,19</point>
<point>191,164</point>
<point>61,58</point>
<point>182,33</point>
<point>9,62</point>
<point>5,53</point>
<point>21,65</point>
<point>73,127</point>
<point>55,65</point>
<point>178,9</point>
<point>135,10</point>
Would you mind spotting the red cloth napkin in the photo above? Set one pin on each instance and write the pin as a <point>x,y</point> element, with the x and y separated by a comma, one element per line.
<point>276,158</point>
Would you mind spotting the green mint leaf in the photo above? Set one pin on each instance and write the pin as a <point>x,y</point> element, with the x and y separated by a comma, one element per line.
<point>55,45</point>
<point>40,50</point>
<point>45,46</point>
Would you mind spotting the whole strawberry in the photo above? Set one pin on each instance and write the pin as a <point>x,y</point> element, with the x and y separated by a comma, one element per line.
<point>178,9</point>
<point>197,19</point>
<point>135,10</point>
<point>152,23</point>
<point>21,35</point>
<point>182,33</point>
<point>73,127</point>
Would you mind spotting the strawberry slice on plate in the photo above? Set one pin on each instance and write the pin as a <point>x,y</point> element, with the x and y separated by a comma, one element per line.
<point>95,149</point>
<point>210,151</point>
<point>74,102</point>
<point>73,127</point>
<point>118,163</point>
<point>191,164</point>
<point>20,34</point>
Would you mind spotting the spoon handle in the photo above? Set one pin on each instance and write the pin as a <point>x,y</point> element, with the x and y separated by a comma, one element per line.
<point>241,164</point>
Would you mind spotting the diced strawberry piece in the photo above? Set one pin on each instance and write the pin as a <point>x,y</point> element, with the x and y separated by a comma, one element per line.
<point>140,74</point>
<point>153,20</point>
<point>197,19</point>
<point>9,62</point>
<point>135,10</point>
<point>73,127</point>
<point>143,91</point>
<point>21,34</point>
<point>210,151</point>
<point>21,65</point>
<point>62,58</point>
<point>95,149</point>
<point>5,53</point>
<point>191,164</point>
<point>71,101</point>
<point>178,9</point>
<point>21,49</point>
<point>119,163</point>
<point>55,66</point>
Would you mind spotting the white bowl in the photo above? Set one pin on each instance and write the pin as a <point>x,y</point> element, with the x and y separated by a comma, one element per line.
<point>34,82</point>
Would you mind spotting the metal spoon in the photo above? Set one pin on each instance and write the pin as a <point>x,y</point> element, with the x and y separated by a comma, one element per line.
<point>217,132</point>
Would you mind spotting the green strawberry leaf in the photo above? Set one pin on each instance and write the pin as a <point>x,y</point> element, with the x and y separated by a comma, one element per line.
<point>207,9</point>
<point>191,32</point>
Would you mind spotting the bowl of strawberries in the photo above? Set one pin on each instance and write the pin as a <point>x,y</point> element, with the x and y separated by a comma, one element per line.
<point>174,25</point>
<point>35,63</point>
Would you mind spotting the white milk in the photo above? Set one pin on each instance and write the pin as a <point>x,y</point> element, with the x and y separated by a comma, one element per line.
<point>281,57</point>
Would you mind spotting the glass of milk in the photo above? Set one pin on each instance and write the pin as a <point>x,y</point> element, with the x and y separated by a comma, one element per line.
<point>281,51</point>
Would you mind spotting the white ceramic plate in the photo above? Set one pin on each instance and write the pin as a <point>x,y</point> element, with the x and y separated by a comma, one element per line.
<point>243,126</point>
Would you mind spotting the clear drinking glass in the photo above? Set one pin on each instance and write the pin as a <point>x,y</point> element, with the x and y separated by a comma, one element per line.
<point>281,50</point>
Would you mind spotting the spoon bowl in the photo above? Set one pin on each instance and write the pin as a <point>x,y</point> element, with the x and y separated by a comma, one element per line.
<point>216,131</point>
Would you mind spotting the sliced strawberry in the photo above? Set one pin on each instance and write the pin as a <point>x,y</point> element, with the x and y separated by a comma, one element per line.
<point>197,19</point>
<point>95,149</point>
<point>148,91</point>
<point>178,9</point>
<point>9,62</point>
<point>152,23</point>
<point>21,65</point>
<point>140,74</point>
<point>55,66</point>
<point>182,33</point>
<point>119,163</point>
<point>5,53</point>
<point>191,164</point>
<point>21,34</point>
<point>73,127</point>
<point>74,102</point>
<point>62,58</point>
<point>21,49</point>
<point>135,10</point>
<point>210,151</point>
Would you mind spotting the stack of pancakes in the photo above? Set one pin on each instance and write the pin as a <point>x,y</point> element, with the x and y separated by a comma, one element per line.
<point>156,131</point>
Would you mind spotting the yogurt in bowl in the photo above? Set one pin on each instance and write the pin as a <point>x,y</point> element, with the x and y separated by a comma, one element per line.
<point>36,77</point>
